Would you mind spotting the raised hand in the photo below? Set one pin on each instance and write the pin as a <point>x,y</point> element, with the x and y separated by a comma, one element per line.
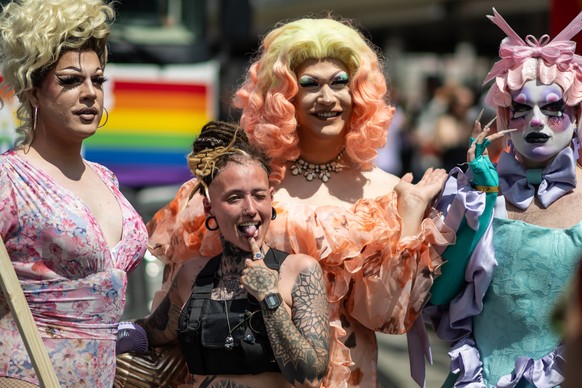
<point>482,138</point>
<point>413,199</point>
<point>422,192</point>
<point>257,278</point>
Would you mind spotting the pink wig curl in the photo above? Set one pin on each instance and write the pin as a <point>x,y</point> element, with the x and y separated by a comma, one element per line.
<point>265,97</point>
<point>543,60</point>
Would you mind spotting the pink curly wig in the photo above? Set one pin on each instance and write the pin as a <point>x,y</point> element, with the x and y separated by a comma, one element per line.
<point>268,115</point>
<point>543,60</point>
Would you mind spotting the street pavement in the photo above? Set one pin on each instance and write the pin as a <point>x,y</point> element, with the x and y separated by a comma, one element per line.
<point>394,367</point>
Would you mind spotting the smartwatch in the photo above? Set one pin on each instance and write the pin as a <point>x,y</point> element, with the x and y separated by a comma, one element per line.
<point>271,301</point>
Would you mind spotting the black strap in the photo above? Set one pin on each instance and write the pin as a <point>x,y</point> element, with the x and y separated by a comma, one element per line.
<point>205,282</point>
<point>201,290</point>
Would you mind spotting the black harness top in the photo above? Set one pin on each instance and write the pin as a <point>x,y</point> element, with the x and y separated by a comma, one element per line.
<point>203,328</point>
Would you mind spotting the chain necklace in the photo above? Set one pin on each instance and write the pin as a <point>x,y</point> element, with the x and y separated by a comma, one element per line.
<point>320,171</point>
<point>249,337</point>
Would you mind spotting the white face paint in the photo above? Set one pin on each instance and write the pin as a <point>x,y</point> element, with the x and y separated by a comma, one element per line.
<point>545,124</point>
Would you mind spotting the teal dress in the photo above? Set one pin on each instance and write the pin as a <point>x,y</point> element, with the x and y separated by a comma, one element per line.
<point>534,265</point>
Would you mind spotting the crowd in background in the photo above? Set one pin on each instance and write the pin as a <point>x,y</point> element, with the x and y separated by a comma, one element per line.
<point>436,133</point>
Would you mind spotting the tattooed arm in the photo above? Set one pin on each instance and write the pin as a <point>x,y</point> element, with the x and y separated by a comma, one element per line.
<point>162,324</point>
<point>299,340</point>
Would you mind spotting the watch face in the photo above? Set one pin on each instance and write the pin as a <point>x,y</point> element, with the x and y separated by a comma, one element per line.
<point>272,301</point>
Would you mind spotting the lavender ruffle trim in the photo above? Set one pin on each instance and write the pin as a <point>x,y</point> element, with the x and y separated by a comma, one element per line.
<point>454,322</point>
<point>545,372</point>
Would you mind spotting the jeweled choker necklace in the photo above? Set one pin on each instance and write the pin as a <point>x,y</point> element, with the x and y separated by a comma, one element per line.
<point>321,171</point>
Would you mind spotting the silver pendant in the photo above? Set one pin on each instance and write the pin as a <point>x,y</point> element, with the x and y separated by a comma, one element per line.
<point>250,338</point>
<point>229,342</point>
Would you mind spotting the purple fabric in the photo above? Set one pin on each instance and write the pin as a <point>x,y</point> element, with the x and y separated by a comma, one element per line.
<point>454,322</point>
<point>457,200</point>
<point>131,337</point>
<point>150,175</point>
<point>558,178</point>
<point>466,363</point>
<point>545,372</point>
<point>419,349</point>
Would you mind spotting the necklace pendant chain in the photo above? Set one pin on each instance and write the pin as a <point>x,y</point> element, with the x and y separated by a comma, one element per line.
<point>229,342</point>
<point>320,171</point>
<point>249,337</point>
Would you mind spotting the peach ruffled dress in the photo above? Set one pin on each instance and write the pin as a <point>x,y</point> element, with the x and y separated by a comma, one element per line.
<point>375,281</point>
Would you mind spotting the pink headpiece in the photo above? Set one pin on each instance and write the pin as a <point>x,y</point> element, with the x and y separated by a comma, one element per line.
<point>514,51</point>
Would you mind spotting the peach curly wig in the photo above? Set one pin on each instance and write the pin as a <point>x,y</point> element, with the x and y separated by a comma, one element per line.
<point>268,115</point>
<point>34,35</point>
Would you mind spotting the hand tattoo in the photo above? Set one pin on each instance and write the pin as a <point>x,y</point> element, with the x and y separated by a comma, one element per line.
<point>260,280</point>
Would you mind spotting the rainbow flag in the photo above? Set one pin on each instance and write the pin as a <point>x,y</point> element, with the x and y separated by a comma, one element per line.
<point>155,113</point>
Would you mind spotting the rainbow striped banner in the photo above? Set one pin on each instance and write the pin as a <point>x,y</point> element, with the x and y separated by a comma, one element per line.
<point>8,120</point>
<point>155,113</point>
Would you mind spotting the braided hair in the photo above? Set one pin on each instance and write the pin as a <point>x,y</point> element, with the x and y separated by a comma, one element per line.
<point>219,144</point>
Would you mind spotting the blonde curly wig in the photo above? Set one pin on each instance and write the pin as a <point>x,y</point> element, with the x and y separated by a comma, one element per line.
<point>34,34</point>
<point>265,97</point>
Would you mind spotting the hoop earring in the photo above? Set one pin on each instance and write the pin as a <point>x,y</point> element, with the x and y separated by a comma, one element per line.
<point>106,118</point>
<point>35,118</point>
<point>207,223</point>
<point>273,213</point>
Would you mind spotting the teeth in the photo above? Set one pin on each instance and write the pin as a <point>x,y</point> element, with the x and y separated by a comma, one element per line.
<point>327,114</point>
<point>250,223</point>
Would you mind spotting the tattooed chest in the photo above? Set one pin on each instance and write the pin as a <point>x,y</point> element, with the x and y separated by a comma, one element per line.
<point>228,287</point>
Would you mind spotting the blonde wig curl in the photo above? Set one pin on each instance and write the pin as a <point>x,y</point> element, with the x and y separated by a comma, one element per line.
<point>268,115</point>
<point>34,34</point>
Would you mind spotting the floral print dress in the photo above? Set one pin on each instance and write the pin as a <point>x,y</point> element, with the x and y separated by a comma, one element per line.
<point>74,283</point>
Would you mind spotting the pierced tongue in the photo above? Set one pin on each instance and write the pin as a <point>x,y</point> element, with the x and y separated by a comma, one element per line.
<point>249,230</point>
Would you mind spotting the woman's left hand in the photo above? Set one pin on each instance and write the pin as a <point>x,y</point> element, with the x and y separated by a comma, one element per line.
<point>413,199</point>
<point>258,279</point>
<point>422,192</point>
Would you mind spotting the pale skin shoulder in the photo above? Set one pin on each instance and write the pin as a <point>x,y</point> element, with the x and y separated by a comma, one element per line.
<point>293,266</point>
<point>348,186</point>
<point>343,189</point>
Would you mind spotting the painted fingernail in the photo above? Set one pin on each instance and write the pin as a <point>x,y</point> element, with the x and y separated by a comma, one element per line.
<point>491,122</point>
